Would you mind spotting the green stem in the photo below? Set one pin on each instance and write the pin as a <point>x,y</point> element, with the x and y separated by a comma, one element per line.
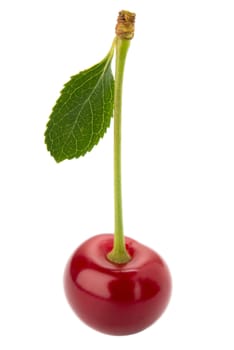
<point>124,33</point>
<point>119,253</point>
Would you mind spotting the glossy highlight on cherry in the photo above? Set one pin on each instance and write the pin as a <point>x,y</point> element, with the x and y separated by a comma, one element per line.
<point>117,299</point>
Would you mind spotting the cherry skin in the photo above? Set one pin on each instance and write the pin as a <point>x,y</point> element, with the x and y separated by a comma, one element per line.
<point>117,299</point>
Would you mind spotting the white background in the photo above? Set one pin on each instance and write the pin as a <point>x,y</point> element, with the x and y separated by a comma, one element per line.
<point>178,170</point>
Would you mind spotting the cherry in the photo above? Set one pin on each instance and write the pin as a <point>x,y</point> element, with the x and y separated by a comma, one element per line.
<point>114,284</point>
<point>117,299</point>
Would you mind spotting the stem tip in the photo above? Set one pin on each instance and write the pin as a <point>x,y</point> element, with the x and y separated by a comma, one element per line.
<point>125,25</point>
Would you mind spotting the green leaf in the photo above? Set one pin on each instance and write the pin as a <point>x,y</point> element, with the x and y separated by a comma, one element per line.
<point>82,113</point>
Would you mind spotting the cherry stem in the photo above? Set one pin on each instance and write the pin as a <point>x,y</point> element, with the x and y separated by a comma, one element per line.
<point>119,252</point>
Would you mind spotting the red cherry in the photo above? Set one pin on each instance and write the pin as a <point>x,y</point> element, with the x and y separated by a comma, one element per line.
<point>112,298</point>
